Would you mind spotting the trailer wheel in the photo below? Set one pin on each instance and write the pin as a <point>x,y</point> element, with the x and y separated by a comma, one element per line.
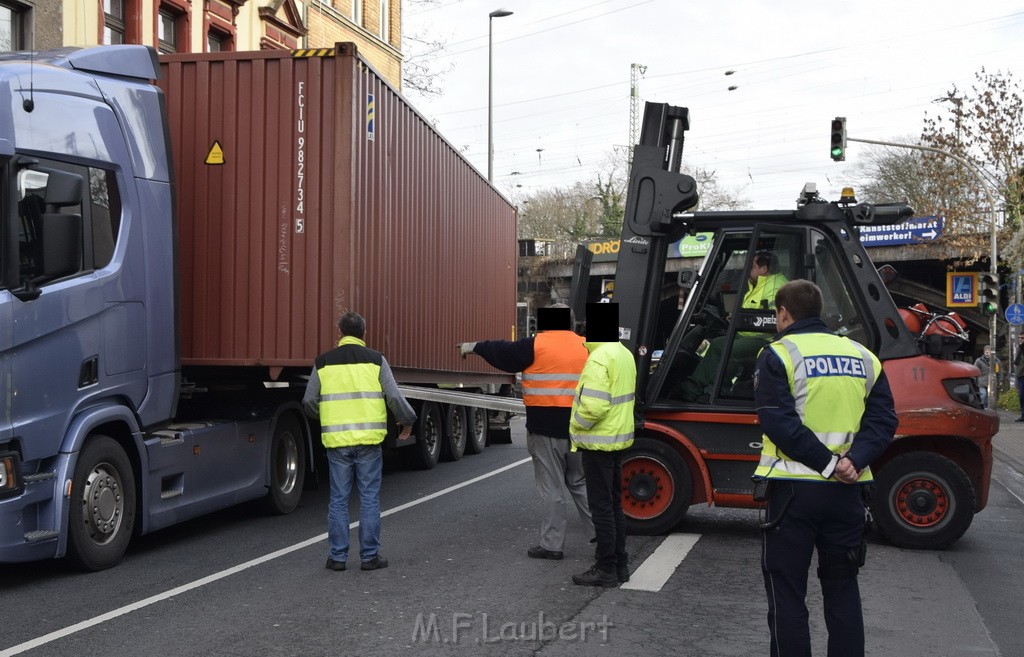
<point>656,487</point>
<point>478,427</point>
<point>456,428</point>
<point>287,466</point>
<point>429,432</point>
<point>102,513</point>
<point>923,501</point>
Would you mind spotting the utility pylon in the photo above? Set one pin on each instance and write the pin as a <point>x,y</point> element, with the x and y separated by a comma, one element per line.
<point>635,71</point>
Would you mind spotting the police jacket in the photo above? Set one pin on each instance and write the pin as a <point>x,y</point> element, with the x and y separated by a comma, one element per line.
<point>602,412</point>
<point>819,396</point>
<point>551,363</point>
<point>351,388</point>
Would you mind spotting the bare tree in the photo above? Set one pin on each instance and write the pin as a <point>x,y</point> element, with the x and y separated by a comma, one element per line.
<point>421,71</point>
<point>713,195</point>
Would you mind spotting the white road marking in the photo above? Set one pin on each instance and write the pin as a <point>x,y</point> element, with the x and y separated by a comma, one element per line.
<point>657,568</point>
<point>209,579</point>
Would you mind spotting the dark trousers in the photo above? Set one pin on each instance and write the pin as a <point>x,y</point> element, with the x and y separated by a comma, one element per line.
<point>1020,394</point>
<point>830,517</point>
<point>603,471</point>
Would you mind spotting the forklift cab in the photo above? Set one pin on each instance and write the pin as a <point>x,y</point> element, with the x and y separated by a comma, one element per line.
<point>728,314</point>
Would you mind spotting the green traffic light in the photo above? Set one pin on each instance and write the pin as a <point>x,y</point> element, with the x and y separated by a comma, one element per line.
<point>989,307</point>
<point>836,152</point>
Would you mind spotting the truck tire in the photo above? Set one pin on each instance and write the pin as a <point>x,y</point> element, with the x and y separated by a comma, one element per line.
<point>456,429</point>
<point>101,517</point>
<point>287,465</point>
<point>656,487</point>
<point>429,432</point>
<point>478,427</point>
<point>922,501</point>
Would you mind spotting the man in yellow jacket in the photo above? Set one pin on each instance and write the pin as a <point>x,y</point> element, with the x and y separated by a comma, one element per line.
<point>601,425</point>
<point>763,282</point>
<point>351,389</point>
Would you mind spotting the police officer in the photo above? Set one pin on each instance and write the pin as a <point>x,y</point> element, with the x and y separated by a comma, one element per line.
<point>551,363</point>
<point>827,413</point>
<point>602,426</point>
<point>351,388</point>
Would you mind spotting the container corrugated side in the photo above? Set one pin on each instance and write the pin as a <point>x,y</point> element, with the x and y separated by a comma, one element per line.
<point>311,212</point>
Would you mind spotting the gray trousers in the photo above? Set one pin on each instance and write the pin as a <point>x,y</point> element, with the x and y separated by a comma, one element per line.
<point>560,482</point>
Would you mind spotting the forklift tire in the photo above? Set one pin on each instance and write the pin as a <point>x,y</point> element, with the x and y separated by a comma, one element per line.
<point>456,429</point>
<point>656,487</point>
<point>429,432</point>
<point>922,501</point>
<point>287,465</point>
<point>478,426</point>
<point>102,514</point>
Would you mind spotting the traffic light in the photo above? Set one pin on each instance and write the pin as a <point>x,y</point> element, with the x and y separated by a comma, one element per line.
<point>988,293</point>
<point>838,151</point>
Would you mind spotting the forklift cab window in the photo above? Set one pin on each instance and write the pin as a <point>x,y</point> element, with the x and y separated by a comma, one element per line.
<point>714,353</point>
<point>839,310</point>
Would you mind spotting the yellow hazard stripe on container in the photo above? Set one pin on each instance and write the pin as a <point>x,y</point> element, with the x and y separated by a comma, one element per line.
<point>313,52</point>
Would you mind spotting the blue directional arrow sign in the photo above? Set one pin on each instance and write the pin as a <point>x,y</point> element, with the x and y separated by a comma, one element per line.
<point>1015,313</point>
<point>915,231</point>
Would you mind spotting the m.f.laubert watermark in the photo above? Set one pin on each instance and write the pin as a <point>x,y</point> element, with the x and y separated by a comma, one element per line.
<point>482,628</point>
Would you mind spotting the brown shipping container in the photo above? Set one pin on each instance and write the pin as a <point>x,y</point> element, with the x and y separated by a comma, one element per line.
<point>307,185</point>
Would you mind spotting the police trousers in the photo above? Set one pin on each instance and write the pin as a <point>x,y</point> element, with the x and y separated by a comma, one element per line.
<point>802,516</point>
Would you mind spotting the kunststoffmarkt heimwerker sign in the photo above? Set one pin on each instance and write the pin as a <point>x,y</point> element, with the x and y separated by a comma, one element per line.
<point>914,231</point>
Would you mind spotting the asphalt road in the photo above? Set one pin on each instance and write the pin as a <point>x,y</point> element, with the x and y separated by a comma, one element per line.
<point>242,583</point>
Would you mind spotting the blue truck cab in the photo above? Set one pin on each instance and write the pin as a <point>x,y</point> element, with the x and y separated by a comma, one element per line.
<point>91,451</point>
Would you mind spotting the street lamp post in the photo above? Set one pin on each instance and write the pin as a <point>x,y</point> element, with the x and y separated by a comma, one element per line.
<point>497,13</point>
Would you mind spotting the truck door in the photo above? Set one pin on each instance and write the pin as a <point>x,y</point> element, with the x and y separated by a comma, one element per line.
<point>728,317</point>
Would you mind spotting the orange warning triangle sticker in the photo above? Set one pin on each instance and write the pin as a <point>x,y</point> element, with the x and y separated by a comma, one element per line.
<point>216,154</point>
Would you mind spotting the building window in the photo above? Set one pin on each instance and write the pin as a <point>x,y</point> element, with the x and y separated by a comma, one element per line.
<point>385,21</point>
<point>218,41</point>
<point>113,22</point>
<point>172,34</point>
<point>357,12</point>
<point>13,27</point>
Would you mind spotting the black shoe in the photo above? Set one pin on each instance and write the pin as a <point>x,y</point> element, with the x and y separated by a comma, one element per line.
<point>622,574</point>
<point>596,577</point>
<point>334,565</point>
<point>537,552</point>
<point>375,563</point>
<point>1020,419</point>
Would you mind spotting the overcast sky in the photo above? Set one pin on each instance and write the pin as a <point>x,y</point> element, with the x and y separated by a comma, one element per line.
<point>562,81</point>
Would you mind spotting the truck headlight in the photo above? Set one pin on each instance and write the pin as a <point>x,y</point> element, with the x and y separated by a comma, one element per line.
<point>964,391</point>
<point>10,474</point>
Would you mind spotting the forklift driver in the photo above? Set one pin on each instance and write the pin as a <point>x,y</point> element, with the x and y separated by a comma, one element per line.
<point>764,281</point>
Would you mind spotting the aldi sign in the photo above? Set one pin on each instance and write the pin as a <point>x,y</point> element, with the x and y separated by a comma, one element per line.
<point>961,289</point>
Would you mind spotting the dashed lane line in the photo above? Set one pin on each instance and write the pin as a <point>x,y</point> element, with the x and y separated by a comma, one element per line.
<point>657,568</point>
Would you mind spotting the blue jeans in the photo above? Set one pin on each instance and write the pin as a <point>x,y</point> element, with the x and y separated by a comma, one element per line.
<point>365,462</point>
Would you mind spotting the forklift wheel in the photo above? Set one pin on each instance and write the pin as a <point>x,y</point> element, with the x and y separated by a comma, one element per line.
<point>656,487</point>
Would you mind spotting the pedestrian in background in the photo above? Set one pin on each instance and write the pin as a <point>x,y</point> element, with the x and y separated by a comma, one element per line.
<point>351,389</point>
<point>1018,373</point>
<point>990,366</point>
<point>827,413</point>
<point>602,426</point>
<point>551,363</point>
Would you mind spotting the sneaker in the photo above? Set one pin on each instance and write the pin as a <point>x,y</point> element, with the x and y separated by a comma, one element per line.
<point>622,574</point>
<point>375,563</point>
<point>537,552</point>
<point>334,565</point>
<point>596,577</point>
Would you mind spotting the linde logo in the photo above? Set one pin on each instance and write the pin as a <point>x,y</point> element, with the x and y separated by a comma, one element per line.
<point>637,240</point>
<point>834,366</point>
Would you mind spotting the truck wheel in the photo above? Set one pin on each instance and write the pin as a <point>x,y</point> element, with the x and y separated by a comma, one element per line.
<point>456,428</point>
<point>923,501</point>
<point>102,513</point>
<point>656,487</point>
<point>287,466</point>
<point>429,435</point>
<point>478,427</point>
